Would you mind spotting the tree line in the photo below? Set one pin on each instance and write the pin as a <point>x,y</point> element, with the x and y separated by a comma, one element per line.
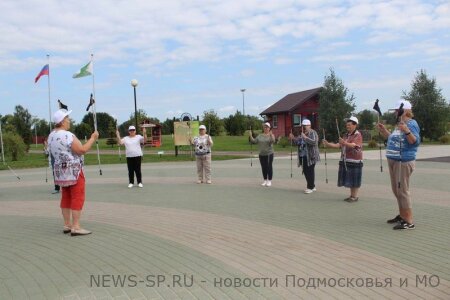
<point>430,108</point>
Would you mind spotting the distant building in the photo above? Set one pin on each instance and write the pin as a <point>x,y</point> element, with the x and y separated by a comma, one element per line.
<point>287,114</point>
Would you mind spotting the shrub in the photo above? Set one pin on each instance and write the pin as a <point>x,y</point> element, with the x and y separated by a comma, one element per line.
<point>445,139</point>
<point>283,141</point>
<point>372,144</point>
<point>14,145</point>
<point>111,141</point>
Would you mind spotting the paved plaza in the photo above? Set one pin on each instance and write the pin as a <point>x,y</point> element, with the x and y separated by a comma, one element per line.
<point>233,239</point>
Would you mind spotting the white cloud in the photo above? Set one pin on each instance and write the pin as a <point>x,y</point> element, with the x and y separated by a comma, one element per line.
<point>247,73</point>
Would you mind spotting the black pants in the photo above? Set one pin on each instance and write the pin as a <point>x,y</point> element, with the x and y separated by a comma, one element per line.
<point>308,171</point>
<point>266,166</point>
<point>134,166</point>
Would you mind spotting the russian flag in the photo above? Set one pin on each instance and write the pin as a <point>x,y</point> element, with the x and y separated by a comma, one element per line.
<point>44,71</point>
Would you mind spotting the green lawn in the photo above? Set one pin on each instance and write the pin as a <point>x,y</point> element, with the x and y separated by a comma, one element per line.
<point>33,160</point>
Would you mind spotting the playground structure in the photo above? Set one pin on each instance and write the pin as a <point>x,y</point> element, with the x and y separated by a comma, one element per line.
<point>153,134</point>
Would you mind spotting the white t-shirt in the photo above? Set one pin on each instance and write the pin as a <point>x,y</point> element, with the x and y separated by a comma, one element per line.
<point>133,145</point>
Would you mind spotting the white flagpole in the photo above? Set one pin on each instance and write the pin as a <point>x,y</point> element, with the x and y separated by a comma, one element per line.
<point>49,106</point>
<point>1,139</point>
<point>95,113</point>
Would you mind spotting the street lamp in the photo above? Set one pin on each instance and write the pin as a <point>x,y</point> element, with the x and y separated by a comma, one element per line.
<point>243,102</point>
<point>134,84</point>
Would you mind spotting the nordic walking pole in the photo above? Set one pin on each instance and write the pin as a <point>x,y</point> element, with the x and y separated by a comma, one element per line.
<point>400,120</point>
<point>291,155</point>
<point>342,150</point>
<point>251,148</point>
<point>326,165</point>
<point>377,108</point>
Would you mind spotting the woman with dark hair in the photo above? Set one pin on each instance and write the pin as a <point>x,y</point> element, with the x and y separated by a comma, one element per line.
<point>265,143</point>
<point>308,153</point>
<point>133,152</point>
<point>68,151</point>
<point>350,165</point>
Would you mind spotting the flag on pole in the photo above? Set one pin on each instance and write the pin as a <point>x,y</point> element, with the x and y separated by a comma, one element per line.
<point>377,107</point>
<point>45,71</point>
<point>84,71</point>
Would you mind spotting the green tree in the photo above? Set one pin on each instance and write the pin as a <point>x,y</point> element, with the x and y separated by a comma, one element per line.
<point>22,121</point>
<point>235,124</point>
<point>389,118</point>
<point>213,123</point>
<point>7,123</point>
<point>103,120</point>
<point>83,130</point>
<point>335,104</point>
<point>366,119</point>
<point>112,140</point>
<point>430,108</point>
<point>42,128</point>
<point>167,126</point>
<point>255,122</point>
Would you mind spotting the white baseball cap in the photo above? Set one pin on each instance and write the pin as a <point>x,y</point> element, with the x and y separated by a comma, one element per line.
<point>306,122</point>
<point>202,127</point>
<point>131,128</point>
<point>406,104</point>
<point>60,114</point>
<point>267,124</point>
<point>352,118</point>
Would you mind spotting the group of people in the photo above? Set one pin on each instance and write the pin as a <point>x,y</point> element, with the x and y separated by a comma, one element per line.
<point>67,151</point>
<point>401,149</point>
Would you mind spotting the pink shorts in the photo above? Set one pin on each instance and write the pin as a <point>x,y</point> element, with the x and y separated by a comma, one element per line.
<point>73,196</point>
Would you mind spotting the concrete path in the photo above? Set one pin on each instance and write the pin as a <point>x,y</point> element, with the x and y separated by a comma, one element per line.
<point>174,239</point>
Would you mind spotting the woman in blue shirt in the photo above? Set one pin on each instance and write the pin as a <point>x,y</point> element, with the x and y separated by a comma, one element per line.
<point>401,155</point>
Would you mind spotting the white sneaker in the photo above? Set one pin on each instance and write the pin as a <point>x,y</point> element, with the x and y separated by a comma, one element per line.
<point>208,181</point>
<point>140,185</point>
<point>308,191</point>
<point>130,185</point>
<point>314,189</point>
<point>264,183</point>
<point>269,183</point>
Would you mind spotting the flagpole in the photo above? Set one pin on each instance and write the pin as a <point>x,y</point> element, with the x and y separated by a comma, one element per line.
<point>49,106</point>
<point>95,113</point>
<point>1,139</point>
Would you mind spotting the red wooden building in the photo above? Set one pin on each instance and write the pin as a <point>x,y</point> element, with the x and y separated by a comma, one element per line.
<point>288,112</point>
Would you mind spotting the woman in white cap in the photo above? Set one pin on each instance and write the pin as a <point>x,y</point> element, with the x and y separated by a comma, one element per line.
<point>203,143</point>
<point>133,152</point>
<point>401,152</point>
<point>68,152</point>
<point>265,143</point>
<point>351,163</point>
<point>308,153</point>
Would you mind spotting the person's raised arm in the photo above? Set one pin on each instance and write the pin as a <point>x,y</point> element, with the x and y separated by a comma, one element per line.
<point>80,149</point>
<point>119,140</point>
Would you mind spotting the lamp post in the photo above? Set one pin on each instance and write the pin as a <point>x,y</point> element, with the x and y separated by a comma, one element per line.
<point>243,102</point>
<point>134,84</point>
<point>35,133</point>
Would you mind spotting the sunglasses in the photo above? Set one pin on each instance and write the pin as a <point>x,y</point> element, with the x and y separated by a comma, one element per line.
<point>132,130</point>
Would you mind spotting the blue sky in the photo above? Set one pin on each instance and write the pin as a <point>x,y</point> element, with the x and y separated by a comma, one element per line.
<point>193,56</point>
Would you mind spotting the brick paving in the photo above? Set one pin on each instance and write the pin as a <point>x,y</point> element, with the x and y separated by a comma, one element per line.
<point>225,233</point>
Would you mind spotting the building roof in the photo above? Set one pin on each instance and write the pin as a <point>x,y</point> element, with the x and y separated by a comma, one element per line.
<point>291,101</point>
